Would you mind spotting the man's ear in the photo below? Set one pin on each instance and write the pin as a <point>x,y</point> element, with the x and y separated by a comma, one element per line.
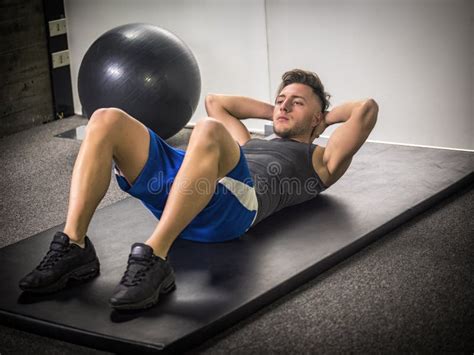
<point>317,118</point>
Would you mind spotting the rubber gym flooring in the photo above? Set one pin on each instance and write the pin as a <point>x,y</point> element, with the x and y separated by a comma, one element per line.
<point>409,291</point>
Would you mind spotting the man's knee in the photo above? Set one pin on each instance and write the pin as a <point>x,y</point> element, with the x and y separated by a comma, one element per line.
<point>209,130</point>
<point>105,119</point>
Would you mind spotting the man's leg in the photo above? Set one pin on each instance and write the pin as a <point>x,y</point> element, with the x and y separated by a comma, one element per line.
<point>212,153</point>
<point>111,135</point>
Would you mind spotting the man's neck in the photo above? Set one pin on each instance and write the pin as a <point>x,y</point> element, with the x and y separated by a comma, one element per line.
<point>295,138</point>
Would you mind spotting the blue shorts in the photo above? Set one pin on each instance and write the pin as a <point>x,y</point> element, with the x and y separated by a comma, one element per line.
<point>228,215</point>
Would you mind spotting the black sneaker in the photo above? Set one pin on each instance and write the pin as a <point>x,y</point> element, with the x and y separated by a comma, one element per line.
<point>147,276</point>
<point>63,261</point>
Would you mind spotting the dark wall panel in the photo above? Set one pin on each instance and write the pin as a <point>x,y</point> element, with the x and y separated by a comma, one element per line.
<point>25,90</point>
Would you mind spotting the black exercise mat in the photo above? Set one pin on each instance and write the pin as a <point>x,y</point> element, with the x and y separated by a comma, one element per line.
<point>220,284</point>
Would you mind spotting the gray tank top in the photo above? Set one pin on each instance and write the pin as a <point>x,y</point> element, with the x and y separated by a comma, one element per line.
<point>283,173</point>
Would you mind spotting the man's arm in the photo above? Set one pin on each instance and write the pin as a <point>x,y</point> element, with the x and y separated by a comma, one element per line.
<point>231,109</point>
<point>359,118</point>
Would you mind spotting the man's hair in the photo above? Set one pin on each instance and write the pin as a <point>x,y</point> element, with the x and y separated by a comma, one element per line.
<point>308,78</point>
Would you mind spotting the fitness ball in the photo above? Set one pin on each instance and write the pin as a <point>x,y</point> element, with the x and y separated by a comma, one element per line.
<point>144,70</point>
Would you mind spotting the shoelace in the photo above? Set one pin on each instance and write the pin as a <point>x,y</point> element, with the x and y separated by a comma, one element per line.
<point>52,257</point>
<point>132,276</point>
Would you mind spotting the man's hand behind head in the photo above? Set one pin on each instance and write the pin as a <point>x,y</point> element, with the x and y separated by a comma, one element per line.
<point>320,128</point>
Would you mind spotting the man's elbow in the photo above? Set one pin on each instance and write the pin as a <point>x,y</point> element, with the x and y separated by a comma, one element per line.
<point>210,99</point>
<point>371,111</point>
<point>372,106</point>
<point>211,103</point>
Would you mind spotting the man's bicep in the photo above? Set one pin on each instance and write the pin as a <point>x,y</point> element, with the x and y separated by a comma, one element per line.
<point>344,142</point>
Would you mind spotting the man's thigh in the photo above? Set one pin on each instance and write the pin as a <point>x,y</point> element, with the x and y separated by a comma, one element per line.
<point>132,146</point>
<point>211,131</point>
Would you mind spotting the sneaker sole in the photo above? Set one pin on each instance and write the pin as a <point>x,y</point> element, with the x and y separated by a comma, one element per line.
<point>166,286</point>
<point>83,273</point>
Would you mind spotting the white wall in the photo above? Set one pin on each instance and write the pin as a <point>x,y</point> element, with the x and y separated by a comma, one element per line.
<point>227,37</point>
<point>415,57</point>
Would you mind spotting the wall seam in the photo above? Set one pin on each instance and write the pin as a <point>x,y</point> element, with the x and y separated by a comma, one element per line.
<point>268,49</point>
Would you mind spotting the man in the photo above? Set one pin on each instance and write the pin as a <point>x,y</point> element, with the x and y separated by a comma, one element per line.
<point>222,185</point>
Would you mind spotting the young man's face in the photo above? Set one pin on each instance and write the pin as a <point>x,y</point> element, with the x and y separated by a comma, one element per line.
<point>297,111</point>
